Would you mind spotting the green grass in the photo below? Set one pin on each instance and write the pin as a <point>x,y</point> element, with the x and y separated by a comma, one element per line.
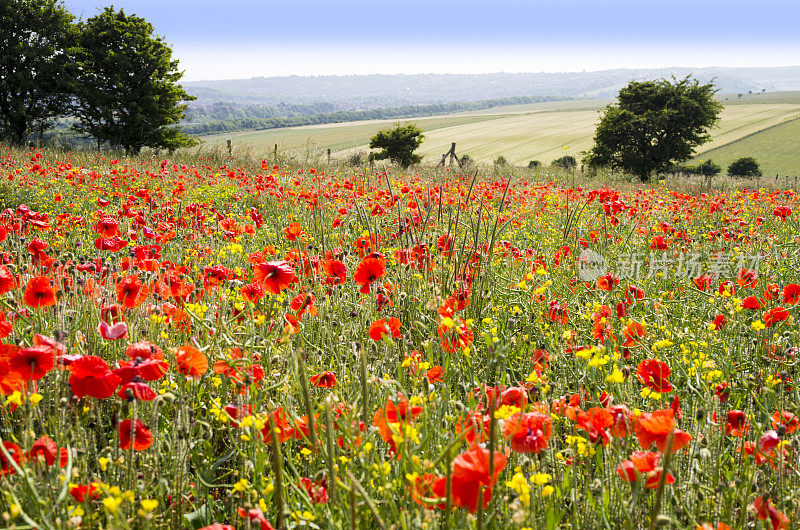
<point>540,131</point>
<point>775,149</point>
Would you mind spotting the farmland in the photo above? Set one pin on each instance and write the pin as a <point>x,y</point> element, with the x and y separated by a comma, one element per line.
<point>188,344</point>
<point>541,131</point>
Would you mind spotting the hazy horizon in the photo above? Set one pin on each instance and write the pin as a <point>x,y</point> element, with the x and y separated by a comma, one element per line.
<point>246,39</point>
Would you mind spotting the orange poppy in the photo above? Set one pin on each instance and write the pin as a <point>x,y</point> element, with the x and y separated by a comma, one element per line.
<point>191,362</point>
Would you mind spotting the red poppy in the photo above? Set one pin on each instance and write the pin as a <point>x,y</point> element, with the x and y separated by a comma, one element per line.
<point>633,333</point>
<point>656,427</point>
<point>46,449</point>
<point>82,493</point>
<point>136,390</point>
<point>751,302</point>
<point>703,282</point>
<point>773,316</point>
<point>114,244</point>
<point>766,510</point>
<point>7,280</point>
<point>658,243</point>
<point>368,271</point>
<point>252,292</point>
<point>143,349</point>
<point>791,294</point>
<point>324,380</point>
<point>471,475</point>
<point>32,363</point>
<point>557,313</point>
<point>90,376</point>
<point>382,327</point>
<point>335,270</point>
<point>191,362</point>
<point>736,423</point>
<point>39,292</point>
<point>136,430</point>
<point>115,332</point>
<point>6,465</point>
<point>528,432</point>
<point>391,419</point>
<point>317,491</point>
<point>280,422</point>
<point>146,369</point>
<point>782,212</point>
<point>653,374</point>
<point>274,276</point>
<point>595,421</point>
<point>131,292</point>
<point>607,282</point>
<point>643,464</point>
<point>456,337</point>
<point>294,231</point>
<point>787,419</point>
<point>719,321</point>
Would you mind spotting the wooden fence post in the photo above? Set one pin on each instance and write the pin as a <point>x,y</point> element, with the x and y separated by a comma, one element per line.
<point>329,156</point>
<point>230,149</point>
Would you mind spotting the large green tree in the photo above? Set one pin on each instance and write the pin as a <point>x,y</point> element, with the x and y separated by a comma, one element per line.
<point>127,91</point>
<point>397,144</point>
<point>654,125</point>
<point>36,40</point>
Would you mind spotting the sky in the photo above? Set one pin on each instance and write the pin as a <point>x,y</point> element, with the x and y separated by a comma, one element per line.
<point>231,39</point>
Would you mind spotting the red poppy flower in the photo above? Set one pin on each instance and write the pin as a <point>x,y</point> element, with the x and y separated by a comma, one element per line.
<point>90,376</point>
<point>6,466</point>
<point>82,493</point>
<point>788,419</point>
<point>324,380</point>
<point>643,464</point>
<point>140,391</point>
<point>136,430</point>
<point>335,270</point>
<point>368,271</point>
<point>131,292</point>
<point>115,332</point>
<point>456,337</point>
<point>656,427</point>
<point>766,510</point>
<point>557,312</point>
<point>33,363</point>
<point>143,349</point>
<point>391,418</point>
<point>381,327</point>
<point>736,423</point>
<point>791,294</point>
<point>39,293</point>
<point>528,432</point>
<point>703,282</point>
<point>751,302</point>
<point>653,374</point>
<point>7,280</point>
<point>282,426</point>
<point>658,243</point>
<point>46,449</point>
<point>470,475</point>
<point>719,321</point>
<point>252,292</point>
<point>633,333</point>
<point>294,231</point>
<point>191,362</point>
<point>317,491</point>
<point>274,276</point>
<point>782,212</point>
<point>773,316</point>
<point>114,244</point>
<point>146,369</point>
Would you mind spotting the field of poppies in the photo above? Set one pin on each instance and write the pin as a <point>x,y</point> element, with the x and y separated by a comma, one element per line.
<point>199,345</point>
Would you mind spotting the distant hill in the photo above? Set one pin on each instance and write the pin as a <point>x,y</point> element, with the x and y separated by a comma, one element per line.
<point>378,91</point>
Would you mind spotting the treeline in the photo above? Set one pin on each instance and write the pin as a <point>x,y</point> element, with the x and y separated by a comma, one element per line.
<point>257,117</point>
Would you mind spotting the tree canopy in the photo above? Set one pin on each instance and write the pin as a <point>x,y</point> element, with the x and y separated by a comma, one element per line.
<point>398,144</point>
<point>36,43</point>
<point>654,125</point>
<point>127,91</point>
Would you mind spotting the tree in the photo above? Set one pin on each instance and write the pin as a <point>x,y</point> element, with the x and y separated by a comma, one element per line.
<point>654,125</point>
<point>534,164</point>
<point>397,144</point>
<point>567,162</point>
<point>127,91</point>
<point>36,38</point>
<point>745,166</point>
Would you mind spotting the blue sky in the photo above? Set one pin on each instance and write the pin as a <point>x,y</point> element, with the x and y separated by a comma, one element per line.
<point>234,39</point>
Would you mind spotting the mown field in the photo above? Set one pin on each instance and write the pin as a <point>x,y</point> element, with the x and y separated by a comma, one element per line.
<point>254,345</point>
<point>542,131</point>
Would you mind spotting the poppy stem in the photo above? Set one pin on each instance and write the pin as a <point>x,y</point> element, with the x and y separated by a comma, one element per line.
<point>278,471</point>
<point>662,481</point>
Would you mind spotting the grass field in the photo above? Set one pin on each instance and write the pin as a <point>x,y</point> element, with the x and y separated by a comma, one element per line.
<point>775,149</point>
<point>542,131</point>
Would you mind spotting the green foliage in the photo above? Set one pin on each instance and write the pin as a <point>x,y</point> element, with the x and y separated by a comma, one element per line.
<point>127,91</point>
<point>36,41</point>
<point>534,164</point>
<point>500,161</point>
<point>653,125</point>
<point>466,160</point>
<point>566,162</point>
<point>707,168</point>
<point>398,144</point>
<point>745,166</point>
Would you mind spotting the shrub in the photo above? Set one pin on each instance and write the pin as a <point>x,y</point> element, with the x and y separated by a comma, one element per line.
<point>566,162</point>
<point>534,164</point>
<point>745,166</point>
<point>500,161</point>
<point>398,144</point>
